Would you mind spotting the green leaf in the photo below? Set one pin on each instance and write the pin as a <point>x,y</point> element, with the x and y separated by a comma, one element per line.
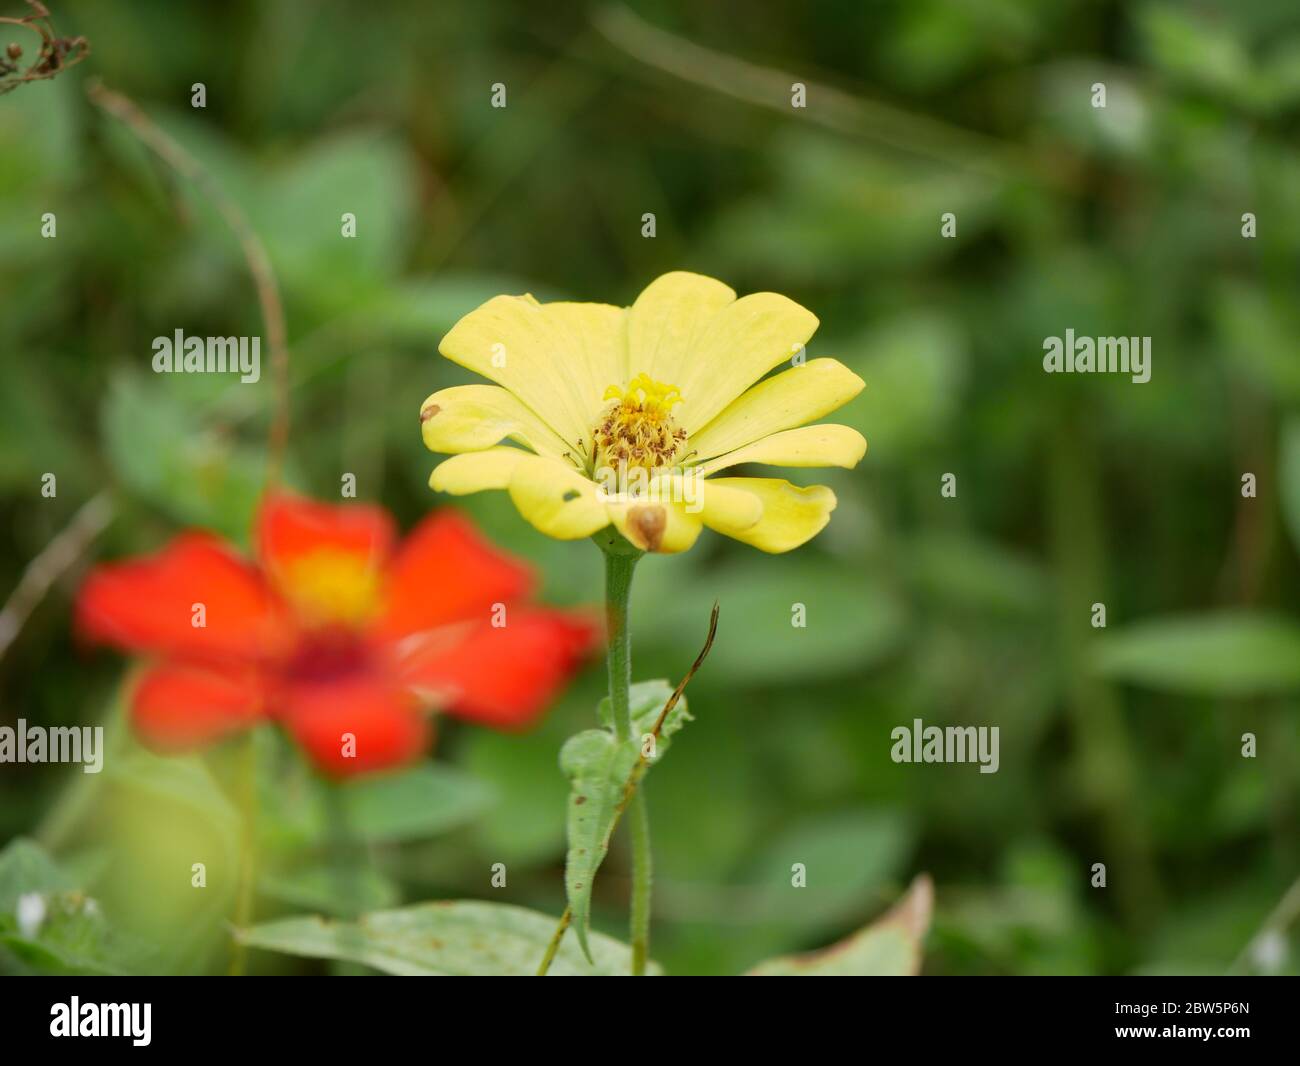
<point>977,575</point>
<point>64,931</point>
<point>160,815</point>
<point>416,804</point>
<point>317,888</point>
<point>598,766</point>
<point>645,700</point>
<point>888,947</point>
<point>915,369</point>
<point>526,826</point>
<point>1232,653</point>
<point>299,210</point>
<point>850,625</point>
<point>168,450</point>
<point>1255,334</point>
<point>1199,51</point>
<point>25,867</point>
<point>460,938</point>
<point>847,855</point>
<point>413,804</point>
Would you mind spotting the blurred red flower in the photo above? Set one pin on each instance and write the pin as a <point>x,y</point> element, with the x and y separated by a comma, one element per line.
<point>335,630</point>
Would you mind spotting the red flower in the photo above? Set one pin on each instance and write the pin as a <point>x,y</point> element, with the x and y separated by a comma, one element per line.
<point>336,630</point>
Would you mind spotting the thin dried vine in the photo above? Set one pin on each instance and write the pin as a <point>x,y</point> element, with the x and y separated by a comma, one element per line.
<point>54,55</point>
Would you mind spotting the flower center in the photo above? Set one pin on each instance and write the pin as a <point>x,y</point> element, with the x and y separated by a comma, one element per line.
<point>638,430</point>
<point>328,587</point>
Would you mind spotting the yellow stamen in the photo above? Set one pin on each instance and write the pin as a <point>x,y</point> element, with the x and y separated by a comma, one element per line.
<point>639,429</point>
<point>331,587</point>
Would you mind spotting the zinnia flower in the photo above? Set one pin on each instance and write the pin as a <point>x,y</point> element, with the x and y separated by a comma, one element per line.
<point>624,412</point>
<point>345,638</point>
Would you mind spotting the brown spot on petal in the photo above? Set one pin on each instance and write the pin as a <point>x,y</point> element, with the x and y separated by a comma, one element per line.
<point>648,524</point>
<point>429,412</point>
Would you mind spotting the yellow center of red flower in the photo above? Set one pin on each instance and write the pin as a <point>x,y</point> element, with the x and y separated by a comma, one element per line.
<point>330,587</point>
<point>639,429</point>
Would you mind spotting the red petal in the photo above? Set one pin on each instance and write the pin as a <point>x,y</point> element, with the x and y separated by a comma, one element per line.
<point>445,571</point>
<point>289,527</point>
<point>176,706</point>
<point>503,677</point>
<point>384,724</point>
<point>149,604</point>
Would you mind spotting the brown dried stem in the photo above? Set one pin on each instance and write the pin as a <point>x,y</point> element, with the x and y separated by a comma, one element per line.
<point>255,255</point>
<point>56,54</point>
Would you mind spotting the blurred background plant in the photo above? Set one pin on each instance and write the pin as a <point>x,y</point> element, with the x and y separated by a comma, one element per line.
<point>1120,746</point>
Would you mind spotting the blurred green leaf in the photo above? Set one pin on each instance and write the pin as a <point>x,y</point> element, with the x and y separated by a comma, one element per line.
<point>851,625</point>
<point>163,815</point>
<point>49,926</point>
<point>177,461</point>
<point>417,803</point>
<point>414,804</point>
<point>845,857</point>
<point>914,369</point>
<point>1233,653</point>
<point>299,210</point>
<point>317,888</point>
<point>462,938</point>
<point>1198,51</point>
<point>42,120</point>
<point>26,867</point>
<point>839,207</point>
<point>179,780</point>
<point>526,824</point>
<point>1256,334</point>
<point>974,574</point>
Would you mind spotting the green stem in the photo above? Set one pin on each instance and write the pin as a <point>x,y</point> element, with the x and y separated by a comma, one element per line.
<point>620,561</point>
<point>554,945</point>
<point>618,590</point>
<point>346,858</point>
<point>247,848</point>
<point>642,870</point>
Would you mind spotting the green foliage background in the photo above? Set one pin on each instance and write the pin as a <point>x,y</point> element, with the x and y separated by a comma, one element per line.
<point>1120,746</point>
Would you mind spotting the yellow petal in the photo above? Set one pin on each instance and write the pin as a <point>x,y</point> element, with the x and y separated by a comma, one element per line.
<point>739,344</point>
<point>476,471</point>
<point>556,499</point>
<point>468,418</point>
<point>595,349</point>
<point>823,445</point>
<point>656,525</point>
<point>513,341</point>
<point>729,510</point>
<point>665,322</point>
<point>786,400</point>
<point>791,515</point>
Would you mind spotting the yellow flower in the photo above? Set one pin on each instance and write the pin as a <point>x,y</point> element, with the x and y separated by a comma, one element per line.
<point>625,412</point>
